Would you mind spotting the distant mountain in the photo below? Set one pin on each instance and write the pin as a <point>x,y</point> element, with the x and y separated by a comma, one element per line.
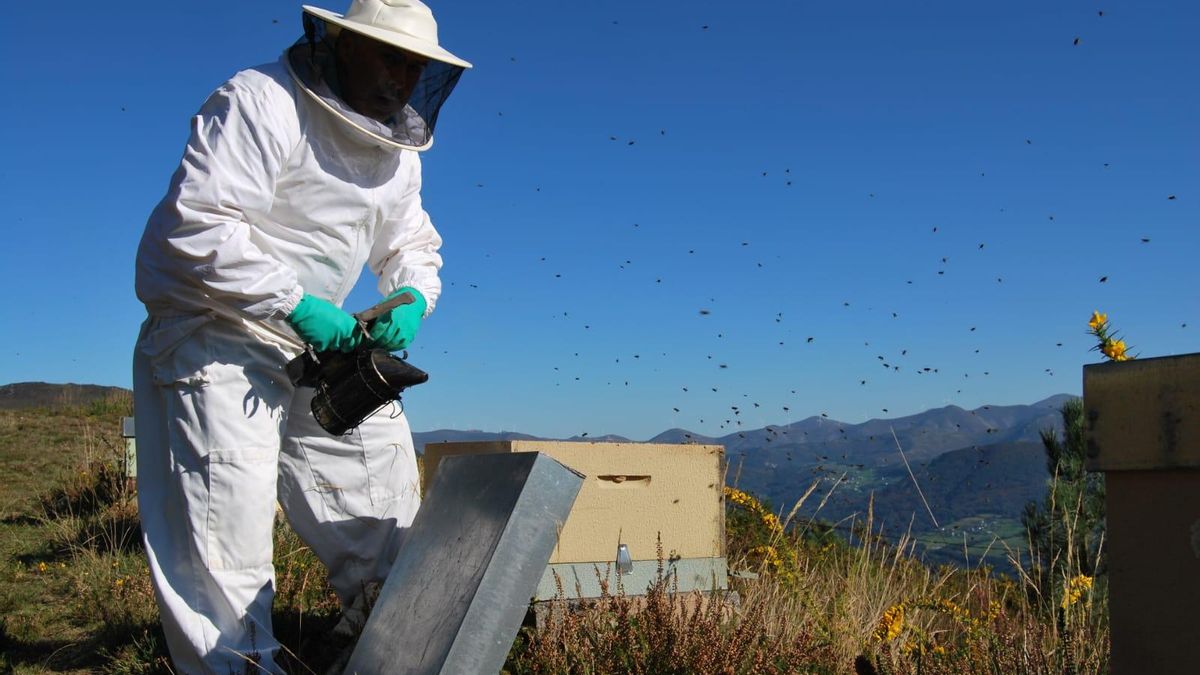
<point>606,438</point>
<point>682,436</point>
<point>994,480</point>
<point>976,468</point>
<point>776,460</point>
<point>422,438</point>
<point>991,479</point>
<point>23,395</point>
<point>922,437</point>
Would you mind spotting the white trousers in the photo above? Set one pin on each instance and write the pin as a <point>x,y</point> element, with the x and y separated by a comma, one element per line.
<point>221,437</point>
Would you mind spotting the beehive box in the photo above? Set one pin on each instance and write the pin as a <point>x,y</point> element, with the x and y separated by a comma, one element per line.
<point>1143,432</point>
<point>632,494</point>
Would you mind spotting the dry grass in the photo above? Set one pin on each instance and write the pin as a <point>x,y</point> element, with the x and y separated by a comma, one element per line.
<point>817,603</point>
<point>666,632</point>
<point>75,595</point>
<point>882,610</point>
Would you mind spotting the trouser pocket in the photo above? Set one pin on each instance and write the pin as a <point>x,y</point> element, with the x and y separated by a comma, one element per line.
<point>177,355</point>
<point>360,473</point>
<point>389,457</point>
<point>241,508</point>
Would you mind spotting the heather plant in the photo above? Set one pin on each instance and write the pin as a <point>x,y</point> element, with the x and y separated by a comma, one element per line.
<point>665,631</point>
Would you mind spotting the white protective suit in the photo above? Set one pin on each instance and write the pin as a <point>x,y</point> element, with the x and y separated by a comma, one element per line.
<point>275,197</point>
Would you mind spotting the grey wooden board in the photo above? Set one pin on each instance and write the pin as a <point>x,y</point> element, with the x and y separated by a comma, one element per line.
<point>582,580</point>
<point>462,581</point>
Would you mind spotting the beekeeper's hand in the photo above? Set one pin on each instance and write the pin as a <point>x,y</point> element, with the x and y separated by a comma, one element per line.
<point>324,325</point>
<point>396,329</point>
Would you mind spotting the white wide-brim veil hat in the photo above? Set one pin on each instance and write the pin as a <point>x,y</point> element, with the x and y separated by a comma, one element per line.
<point>407,24</point>
<point>404,24</point>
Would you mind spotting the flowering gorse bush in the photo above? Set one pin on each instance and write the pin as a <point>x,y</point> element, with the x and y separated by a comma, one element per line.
<point>1110,345</point>
<point>776,553</point>
<point>1074,589</point>
<point>891,624</point>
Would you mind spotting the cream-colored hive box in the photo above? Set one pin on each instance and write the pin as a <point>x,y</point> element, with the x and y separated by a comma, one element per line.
<point>632,493</point>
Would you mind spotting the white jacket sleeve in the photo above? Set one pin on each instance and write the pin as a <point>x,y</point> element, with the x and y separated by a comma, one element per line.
<point>405,253</point>
<point>239,143</point>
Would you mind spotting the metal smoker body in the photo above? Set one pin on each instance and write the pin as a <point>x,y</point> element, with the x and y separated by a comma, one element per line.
<point>352,386</point>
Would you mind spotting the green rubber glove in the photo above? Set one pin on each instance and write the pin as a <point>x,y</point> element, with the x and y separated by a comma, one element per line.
<point>324,325</point>
<point>396,329</point>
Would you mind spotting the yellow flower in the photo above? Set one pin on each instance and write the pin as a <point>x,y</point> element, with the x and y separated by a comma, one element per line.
<point>957,613</point>
<point>770,555</point>
<point>740,498</point>
<point>891,625</point>
<point>41,567</point>
<point>751,504</point>
<point>1074,589</point>
<point>772,523</point>
<point>1115,350</point>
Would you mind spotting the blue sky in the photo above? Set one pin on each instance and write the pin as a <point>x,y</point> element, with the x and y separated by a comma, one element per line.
<point>778,165</point>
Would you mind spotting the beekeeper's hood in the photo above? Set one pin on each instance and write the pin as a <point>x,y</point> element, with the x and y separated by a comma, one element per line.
<point>406,25</point>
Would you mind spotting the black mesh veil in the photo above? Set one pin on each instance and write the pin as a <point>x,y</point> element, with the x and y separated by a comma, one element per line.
<point>312,62</point>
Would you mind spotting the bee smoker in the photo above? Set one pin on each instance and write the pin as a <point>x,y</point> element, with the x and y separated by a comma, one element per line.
<point>352,386</point>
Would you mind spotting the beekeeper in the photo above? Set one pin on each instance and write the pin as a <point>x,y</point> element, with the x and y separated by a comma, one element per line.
<point>296,174</point>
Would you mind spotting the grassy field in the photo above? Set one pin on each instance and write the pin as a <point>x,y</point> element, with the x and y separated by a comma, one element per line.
<point>74,592</point>
<point>988,539</point>
<point>75,596</point>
